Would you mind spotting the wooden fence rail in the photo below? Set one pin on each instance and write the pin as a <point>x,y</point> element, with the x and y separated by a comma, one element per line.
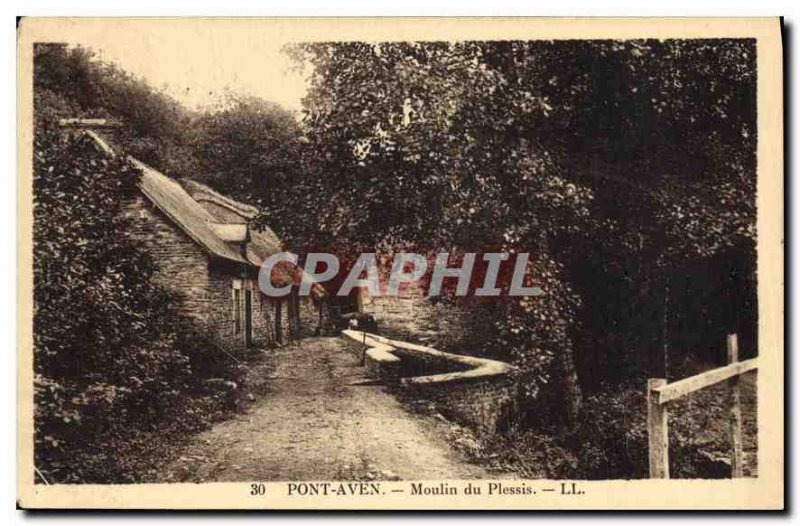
<point>659,393</point>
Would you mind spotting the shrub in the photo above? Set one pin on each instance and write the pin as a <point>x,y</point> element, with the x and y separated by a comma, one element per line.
<point>114,369</point>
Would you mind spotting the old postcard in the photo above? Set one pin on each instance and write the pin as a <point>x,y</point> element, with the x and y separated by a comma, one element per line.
<point>400,264</point>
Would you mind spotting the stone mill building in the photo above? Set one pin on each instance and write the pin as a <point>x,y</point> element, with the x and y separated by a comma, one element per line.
<point>207,252</point>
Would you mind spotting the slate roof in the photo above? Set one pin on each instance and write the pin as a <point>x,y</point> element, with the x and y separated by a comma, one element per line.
<point>262,242</point>
<point>182,203</point>
<point>176,203</point>
<point>201,192</point>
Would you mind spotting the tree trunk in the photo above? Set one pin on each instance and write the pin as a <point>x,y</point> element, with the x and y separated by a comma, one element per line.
<point>570,387</point>
<point>665,330</point>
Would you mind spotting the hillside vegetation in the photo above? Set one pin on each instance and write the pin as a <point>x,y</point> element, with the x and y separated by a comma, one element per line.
<point>627,169</point>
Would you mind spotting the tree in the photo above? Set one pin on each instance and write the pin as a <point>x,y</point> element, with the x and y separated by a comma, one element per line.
<point>424,144</point>
<point>112,359</point>
<point>667,143</point>
<point>249,148</point>
<point>106,353</point>
<point>622,165</point>
<point>69,82</point>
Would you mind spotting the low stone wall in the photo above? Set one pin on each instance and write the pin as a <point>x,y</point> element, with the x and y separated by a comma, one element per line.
<point>477,392</point>
<point>482,404</point>
<point>378,358</point>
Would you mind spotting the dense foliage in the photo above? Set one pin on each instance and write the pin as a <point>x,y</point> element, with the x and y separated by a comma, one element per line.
<point>626,168</point>
<point>115,367</point>
<point>249,149</point>
<point>71,83</point>
<point>244,147</point>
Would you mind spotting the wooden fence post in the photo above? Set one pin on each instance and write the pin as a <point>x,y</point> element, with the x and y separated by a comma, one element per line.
<point>735,410</point>
<point>657,435</point>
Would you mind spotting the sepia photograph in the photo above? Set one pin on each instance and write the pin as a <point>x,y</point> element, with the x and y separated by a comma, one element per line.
<point>333,264</point>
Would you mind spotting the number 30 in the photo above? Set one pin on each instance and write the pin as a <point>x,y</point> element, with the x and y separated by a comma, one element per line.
<point>257,489</point>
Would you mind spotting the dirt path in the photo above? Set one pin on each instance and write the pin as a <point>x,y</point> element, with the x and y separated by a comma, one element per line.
<point>311,422</point>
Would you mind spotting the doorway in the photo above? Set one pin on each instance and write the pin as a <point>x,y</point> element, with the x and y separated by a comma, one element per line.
<point>248,317</point>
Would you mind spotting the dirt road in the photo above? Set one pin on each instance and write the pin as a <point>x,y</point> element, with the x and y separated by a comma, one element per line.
<point>311,421</point>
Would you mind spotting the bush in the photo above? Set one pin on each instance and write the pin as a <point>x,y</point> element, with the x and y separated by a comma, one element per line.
<point>609,440</point>
<point>115,368</point>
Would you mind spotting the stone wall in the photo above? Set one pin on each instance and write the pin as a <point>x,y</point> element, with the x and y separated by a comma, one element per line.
<point>182,264</point>
<point>309,317</point>
<point>206,286</point>
<point>377,358</point>
<point>268,311</point>
<point>299,317</point>
<point>263,325</point>
<point>482,404</point>
<point>409,312</point>
<point>222,317</point>
<point>219,306</point>
<point>265,312</point>
<point>412,316</point>
<point>476,392</point>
